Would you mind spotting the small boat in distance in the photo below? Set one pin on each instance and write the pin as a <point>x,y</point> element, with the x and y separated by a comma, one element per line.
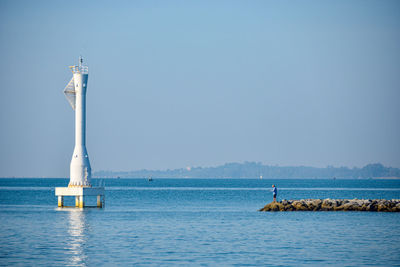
<point>150,179</point>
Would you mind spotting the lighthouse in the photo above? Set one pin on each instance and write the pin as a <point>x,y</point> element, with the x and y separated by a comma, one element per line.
<point>75,91</point>
<point>80,170</point>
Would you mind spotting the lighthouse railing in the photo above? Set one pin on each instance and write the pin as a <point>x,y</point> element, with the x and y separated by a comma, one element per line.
<point>80,69</point>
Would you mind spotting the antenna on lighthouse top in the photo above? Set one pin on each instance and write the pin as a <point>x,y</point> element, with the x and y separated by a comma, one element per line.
<point>80,68</point>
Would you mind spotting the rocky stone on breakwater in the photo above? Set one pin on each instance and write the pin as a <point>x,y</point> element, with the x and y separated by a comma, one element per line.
<point>334,205</point>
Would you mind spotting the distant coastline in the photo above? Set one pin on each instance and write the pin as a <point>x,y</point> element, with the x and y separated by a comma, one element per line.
<point>253,170</point>
<point>259,171</point>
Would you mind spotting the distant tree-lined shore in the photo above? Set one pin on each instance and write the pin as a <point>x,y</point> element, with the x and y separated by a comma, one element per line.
<point>257,170</point>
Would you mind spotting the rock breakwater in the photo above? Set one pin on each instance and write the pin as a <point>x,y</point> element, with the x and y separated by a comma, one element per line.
<point>334,205</point>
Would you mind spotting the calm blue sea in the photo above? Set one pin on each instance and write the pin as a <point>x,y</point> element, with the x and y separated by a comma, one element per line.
<point>196,222</point>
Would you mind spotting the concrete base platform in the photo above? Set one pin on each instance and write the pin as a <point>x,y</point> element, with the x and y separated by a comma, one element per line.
<point>80,193</point>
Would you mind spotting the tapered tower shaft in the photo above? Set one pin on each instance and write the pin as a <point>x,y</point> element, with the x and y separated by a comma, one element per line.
<point>80,81</point>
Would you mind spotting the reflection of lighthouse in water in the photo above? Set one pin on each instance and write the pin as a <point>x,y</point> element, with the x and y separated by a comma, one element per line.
<point>77,237</point>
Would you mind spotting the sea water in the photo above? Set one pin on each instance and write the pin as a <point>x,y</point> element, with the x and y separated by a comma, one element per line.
<point>196,222</point>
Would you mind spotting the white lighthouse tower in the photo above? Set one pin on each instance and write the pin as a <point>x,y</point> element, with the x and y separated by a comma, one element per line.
<point>80,171</point>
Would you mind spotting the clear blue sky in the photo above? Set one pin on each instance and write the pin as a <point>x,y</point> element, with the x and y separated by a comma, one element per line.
<point>200,83</point>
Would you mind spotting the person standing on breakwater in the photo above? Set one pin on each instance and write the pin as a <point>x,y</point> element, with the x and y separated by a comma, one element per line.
<point>274,192</point>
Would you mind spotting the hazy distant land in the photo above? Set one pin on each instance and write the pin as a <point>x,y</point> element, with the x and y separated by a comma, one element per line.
<point>256,169</point>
